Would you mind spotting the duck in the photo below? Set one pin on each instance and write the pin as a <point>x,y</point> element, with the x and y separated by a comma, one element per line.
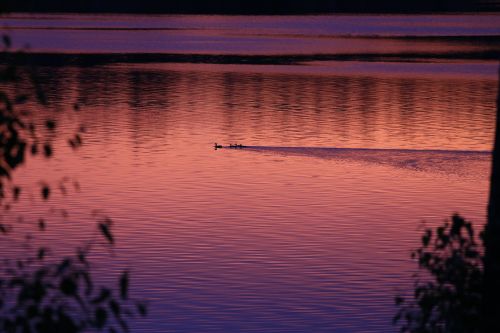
<point>216,146</point>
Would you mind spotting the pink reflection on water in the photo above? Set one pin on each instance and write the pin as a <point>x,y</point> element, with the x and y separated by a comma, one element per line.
<point>292,239</point>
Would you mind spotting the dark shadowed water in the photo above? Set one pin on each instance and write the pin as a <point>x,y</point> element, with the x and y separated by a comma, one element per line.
<point>310,227</point>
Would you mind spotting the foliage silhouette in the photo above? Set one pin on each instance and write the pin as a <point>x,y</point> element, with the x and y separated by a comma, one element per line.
<point>60,296</point>
<point>42,292</point>
<point>463,294</point>
<point>451,301</point>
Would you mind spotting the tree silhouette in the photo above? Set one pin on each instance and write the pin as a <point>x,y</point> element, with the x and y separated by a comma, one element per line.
<point>491,292</point>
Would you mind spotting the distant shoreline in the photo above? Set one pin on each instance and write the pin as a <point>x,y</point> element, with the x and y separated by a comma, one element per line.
<point>389,13</point>
<point>309,13</point>
<point>243,7</point>
<point>89,59</point>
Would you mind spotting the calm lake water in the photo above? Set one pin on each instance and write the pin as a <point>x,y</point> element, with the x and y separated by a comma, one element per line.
<point>310,228</point>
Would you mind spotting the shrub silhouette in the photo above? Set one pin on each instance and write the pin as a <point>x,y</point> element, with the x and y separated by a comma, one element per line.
<point>39,296</point>
<point>451,301</point>
<point>42,292</point>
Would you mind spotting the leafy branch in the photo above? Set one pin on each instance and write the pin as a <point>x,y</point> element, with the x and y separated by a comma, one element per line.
<point>42,292</point>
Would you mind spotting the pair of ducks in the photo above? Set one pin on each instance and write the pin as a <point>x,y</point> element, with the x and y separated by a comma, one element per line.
<point>216,146</point>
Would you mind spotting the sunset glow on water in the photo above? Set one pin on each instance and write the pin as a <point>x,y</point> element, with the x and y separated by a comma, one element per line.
<point>310,228</point>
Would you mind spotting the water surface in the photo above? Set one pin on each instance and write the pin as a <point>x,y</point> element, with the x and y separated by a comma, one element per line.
<point>311,226</point>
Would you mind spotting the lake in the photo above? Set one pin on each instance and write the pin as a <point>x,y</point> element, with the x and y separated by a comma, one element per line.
<point>359,129</point>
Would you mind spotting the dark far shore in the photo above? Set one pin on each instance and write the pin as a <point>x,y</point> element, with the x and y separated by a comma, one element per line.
<point>269,7</point>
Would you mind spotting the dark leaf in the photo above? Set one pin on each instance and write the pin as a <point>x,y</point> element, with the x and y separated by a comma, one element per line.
<point>426,237</point>
<point>14,154</point>
<point>45,192</point>
<point>4,172</point>
<point>124,279</point>
<point>88,282</point>
<point>104,295</point>
<point>75,142</point>
<point>63,266</point>
<point>50,124</point>
<point>141,307</point>
<point>15,192</point>
<point>82,256</point>
<point>34,149</point>
<point>100,317</point>
<point>115,308</point>
<point>41,253</point>
<point>41,224</point>
<point>68,286</point>
<point>3,229</point>
<point>47,150</point>
<point>104,227</point>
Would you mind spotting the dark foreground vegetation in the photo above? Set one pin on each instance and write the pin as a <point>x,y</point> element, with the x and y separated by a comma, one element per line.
<point>459,291</point>
<point>42,290</point>
<point>451,299</point>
